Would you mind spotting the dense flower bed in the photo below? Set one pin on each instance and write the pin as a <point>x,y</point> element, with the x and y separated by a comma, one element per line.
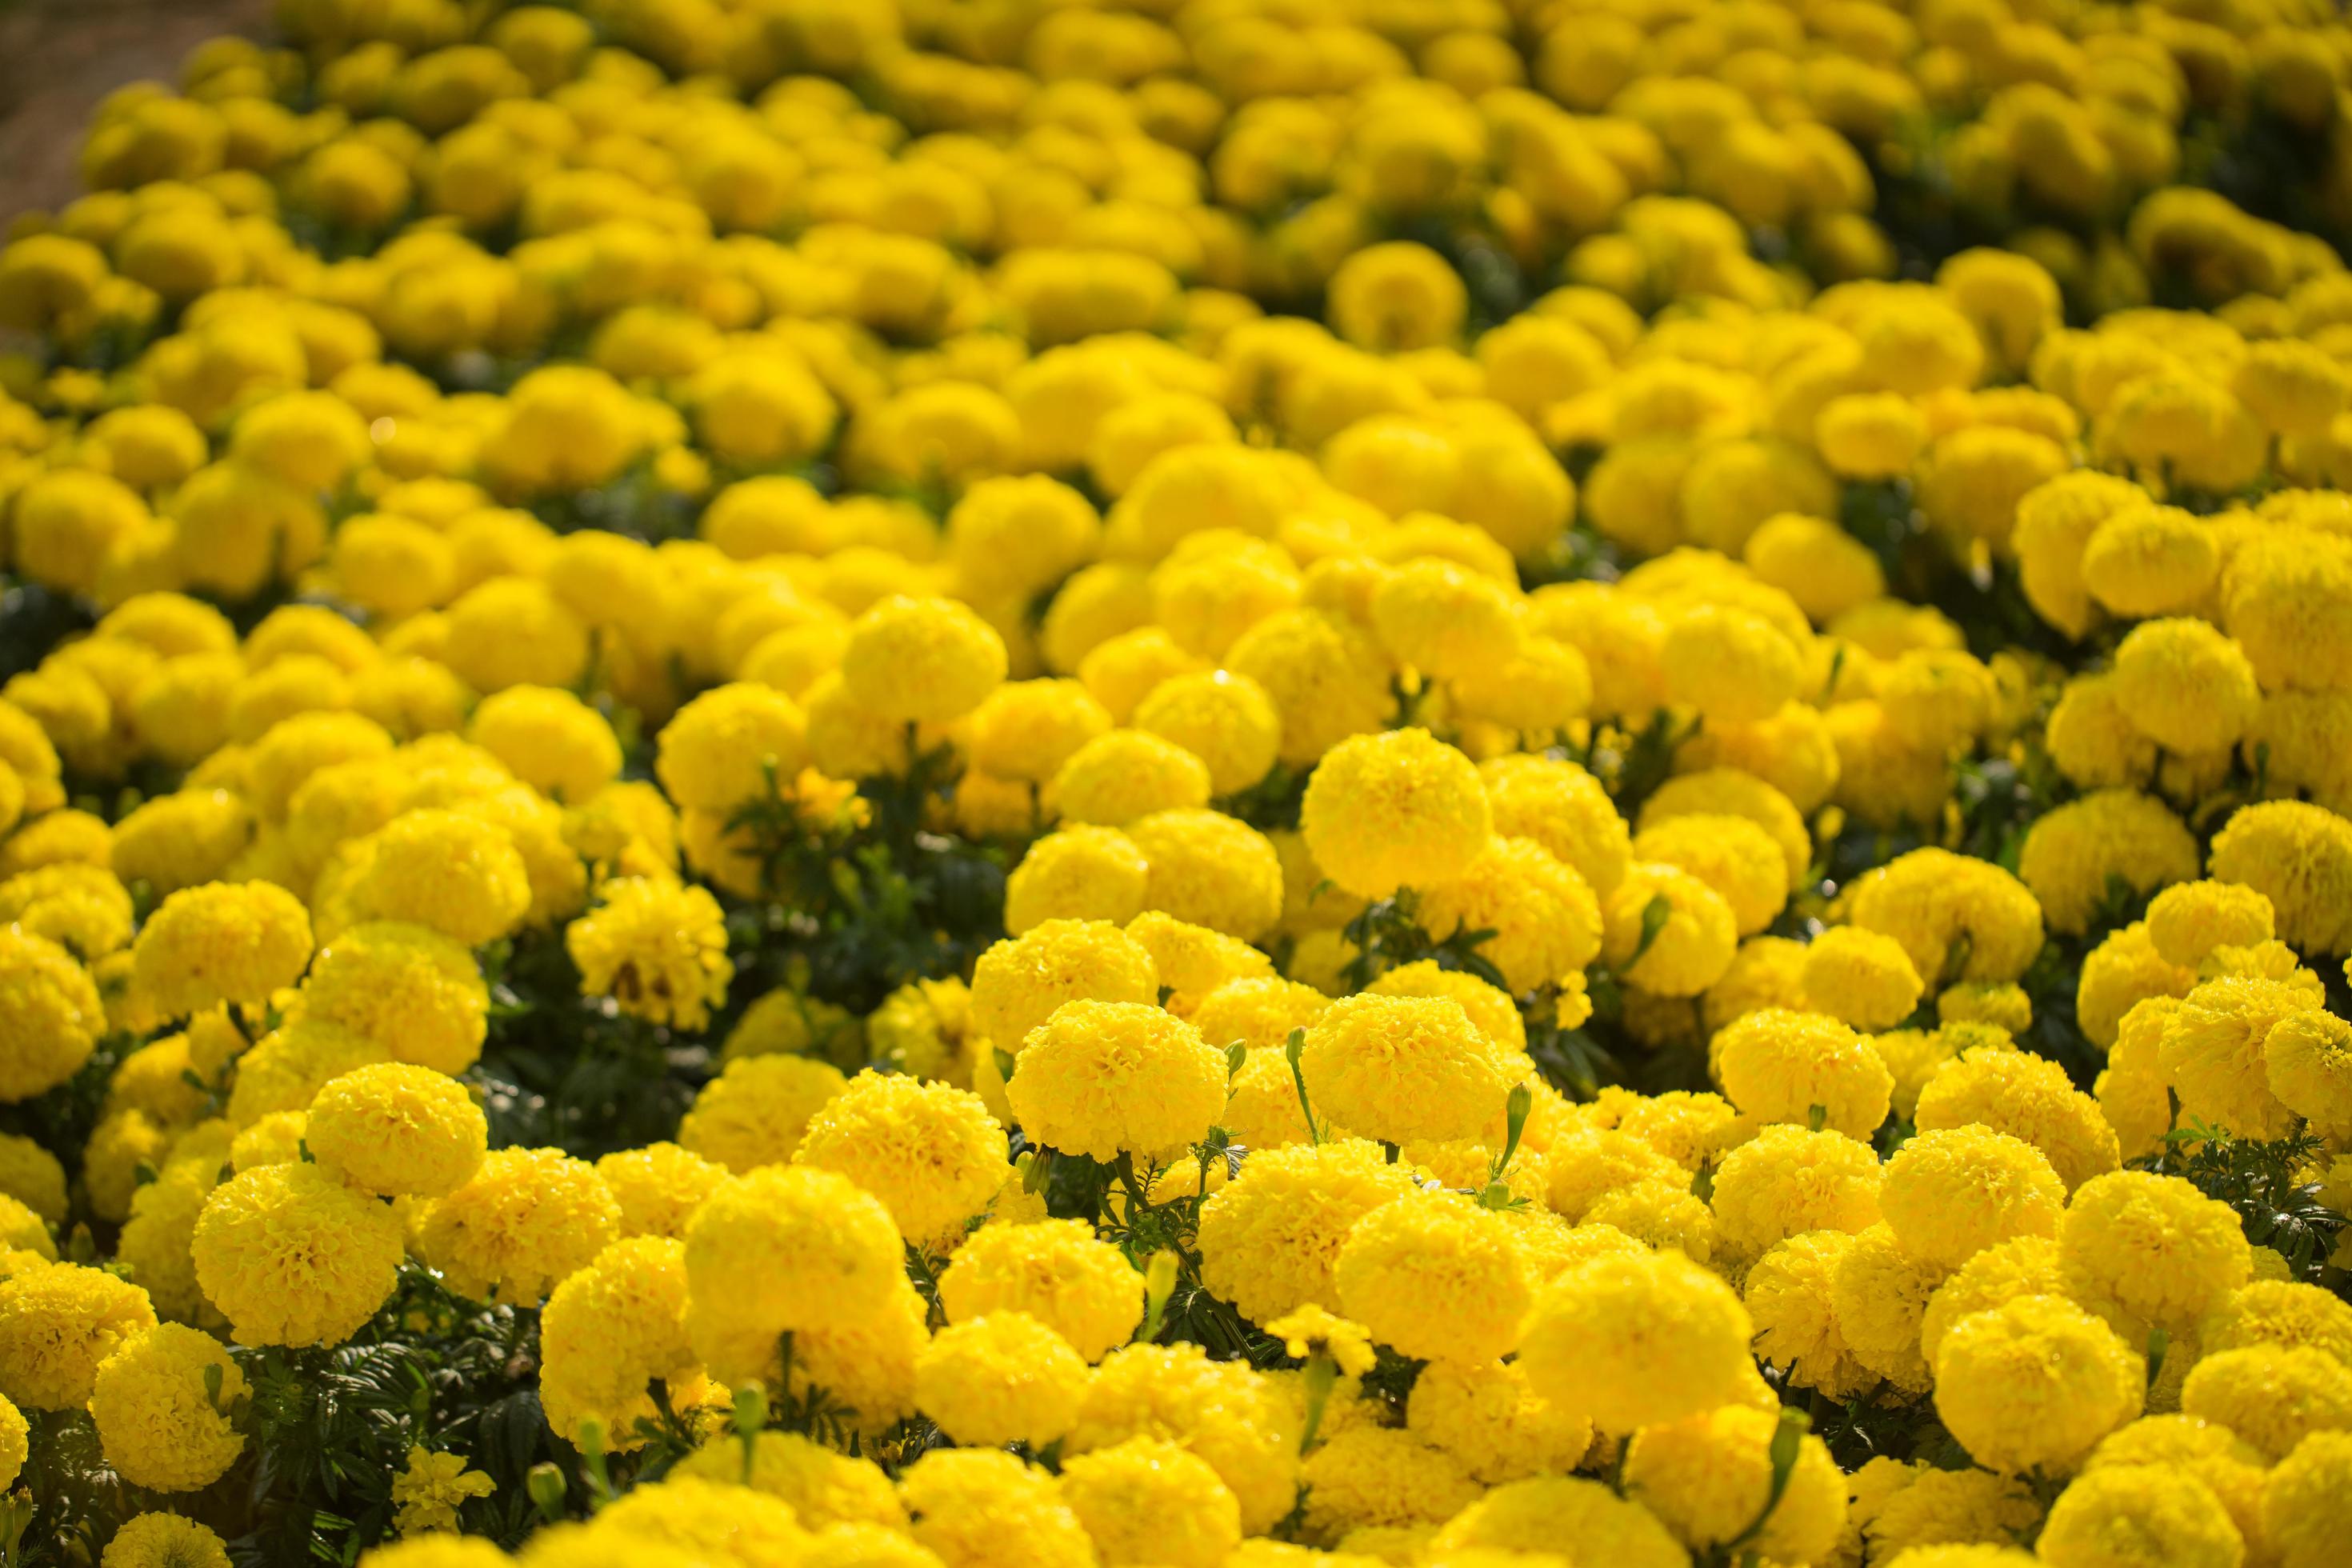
<point>1198,783</point>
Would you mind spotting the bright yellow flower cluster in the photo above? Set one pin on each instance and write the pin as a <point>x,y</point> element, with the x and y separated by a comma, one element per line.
<point>1204,784</point>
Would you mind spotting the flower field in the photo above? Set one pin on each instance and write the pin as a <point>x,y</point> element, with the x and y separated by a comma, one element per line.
<point>1184,784</point>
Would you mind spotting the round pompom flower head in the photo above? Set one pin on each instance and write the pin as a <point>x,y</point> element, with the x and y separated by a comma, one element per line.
<point>786,1247</point>
<point>930,1152</point>
<point>1638,1338</point>
<point>657,948</point>
<point>1950,1194</point>
<point>527,1218</point>
<point>1861,978</point>
<point>415,994</point>
<point>927,661</point>
<point>1435,1276</point>
<point>158,1422</point>
<point>50,1015</point>
<point>2274,1396</point>
<point>1709,1477</point>
<point>1395,809</point>
<point>2302,1500</point>
<point>398,1130</point>
<point>461,876</point>
<point>1151,1501</point>
<point>1403,1069</point>
<point>1056,1270</point>
<point>726,746</point>
<point>1805,1067</point>
<point>165,1540</point>
<point>2122,1516</point>
<point>2033,1385</point>
<point>57,1324</point>
<point>2154,1248</point>
<point>1107,1078</point>
<point>1000,1378</point>
<point>222,942</point>
<point>1019,983</point>
<point>290,1255</point>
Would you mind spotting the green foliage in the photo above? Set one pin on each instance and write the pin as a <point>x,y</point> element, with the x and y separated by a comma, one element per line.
<point>2272,1186</point>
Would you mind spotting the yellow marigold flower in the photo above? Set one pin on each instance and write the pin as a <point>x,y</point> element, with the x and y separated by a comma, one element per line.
<point>2118,974</point>
<point>608,1330</point>
<point>1226,720</point>
<point>2229,1469</point>
<point>1731,665</point>
<point>1126,774</point>
<point>2213,1051</point>
<point>2302,1501</point>
<point>1929,900</point>
<point>1667,931</point>
<point>1103,1079</point>
<point>1564,808</point>
<point>1020,982</point>
<point>222,942</point>
<point>460,875</point>
<point>1238,1421</point>
<point>720,750</point>
<point>527,1218</point>
<point>57,1325</point>
<point>1550,1513</point>
<point>1880,1293</point>
<point>1001,1378</point>
<point>2299,857</point>
<point>1310,1331</point>
<point>2276,1311</point>
<point>966,1503</point>
<point>2185,685</point>
<point>2272,1397</point>
<point>827,1491</point>
<point>2028,1098</point>
<point>931,1152</point>
<point>122,1142</point>
<point>1405,1068</point>
<point>755,1111</point>
<point>1709,1477</point>
<point>1789,1294</point>
<point>1637,1340</point>
<point>921,660</point>
<point>290,1065</point>
<point>1950,1194</point>
<point>1393,810</point>
<point>2188,920</point>
<point>158,1424</point>
<point>1861,978</point>
<point>2004,1006</point>
<point>398,1130</point>
<point>657,948</point>
<point>290,1255</point>
<point>1785,1181</point>
<point>50,1015</point>
<point>427,1495</point>
<point>2307,1057</point>
<point>791,1248</point>
<point>1955,1519</point>
<point>2151,1251</point>
<point>2073,856</point>
<point>1445,620</point>
<point>658,1187</point>
<point>2151,561</point>
<point>32,1176</point>
<point>1870,436</point>
<point>1269,1238</point>
<point>415,994</point>
<point>2035,1384</point>
<point>1210,870</point>
<point>276,1140</point>
<point>181,839</point>
<point>1146,1500</point>
<point>1025,729</point>
<point>552,740</point>
<point>1779,1066</point>
<point>165,1540</point>
<point>1544,920</point>
<point>2138,1514</point>
<point>1491,1424</point>
<point>1435,1276</point>
<point>85,907</point>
